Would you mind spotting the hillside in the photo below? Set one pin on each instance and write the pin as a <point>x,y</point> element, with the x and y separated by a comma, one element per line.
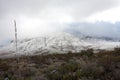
<point>84,65</point>
<point>57,43</point>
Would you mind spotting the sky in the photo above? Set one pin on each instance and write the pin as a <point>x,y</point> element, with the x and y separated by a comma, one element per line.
<point>40,17</point>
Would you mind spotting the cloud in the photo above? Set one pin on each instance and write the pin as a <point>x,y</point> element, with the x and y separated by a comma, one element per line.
<point>76,8</point>
<point>110,15</point>
<point>36,17</point>
<point>99,29</point>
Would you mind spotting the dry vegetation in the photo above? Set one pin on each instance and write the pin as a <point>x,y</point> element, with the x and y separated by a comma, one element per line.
<point>85,65</point>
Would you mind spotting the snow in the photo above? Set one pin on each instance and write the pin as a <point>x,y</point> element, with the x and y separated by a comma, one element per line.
<point>56,43</point>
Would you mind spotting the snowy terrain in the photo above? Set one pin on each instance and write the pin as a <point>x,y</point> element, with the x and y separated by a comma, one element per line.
<point>57,43</point>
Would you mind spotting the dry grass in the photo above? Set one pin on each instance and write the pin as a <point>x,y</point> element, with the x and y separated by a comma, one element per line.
<point>84,65</point>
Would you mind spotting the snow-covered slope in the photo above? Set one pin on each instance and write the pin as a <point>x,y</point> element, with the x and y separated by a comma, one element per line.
<point>59,42</point>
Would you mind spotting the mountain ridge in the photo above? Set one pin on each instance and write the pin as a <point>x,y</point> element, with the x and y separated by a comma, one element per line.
<point>62,42</point>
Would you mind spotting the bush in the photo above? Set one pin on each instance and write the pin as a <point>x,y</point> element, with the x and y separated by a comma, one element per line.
<point>88,52</point>
<point>64,72</point>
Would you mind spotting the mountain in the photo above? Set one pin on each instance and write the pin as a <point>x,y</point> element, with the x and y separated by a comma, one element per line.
<point>57,43</point>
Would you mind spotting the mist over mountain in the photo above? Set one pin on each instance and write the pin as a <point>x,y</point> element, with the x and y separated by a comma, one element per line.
<point>98,29</point>
<point>89,23</point>
<point>38,17</point>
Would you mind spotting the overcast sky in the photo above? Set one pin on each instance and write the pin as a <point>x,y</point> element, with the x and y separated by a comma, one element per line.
<point>38,17</point>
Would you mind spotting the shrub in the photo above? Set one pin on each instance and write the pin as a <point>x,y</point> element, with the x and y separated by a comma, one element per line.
<point>64,72</point>
<point>88,52</point>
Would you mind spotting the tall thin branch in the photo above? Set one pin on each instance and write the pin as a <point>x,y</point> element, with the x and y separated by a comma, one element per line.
<point>16,45</point>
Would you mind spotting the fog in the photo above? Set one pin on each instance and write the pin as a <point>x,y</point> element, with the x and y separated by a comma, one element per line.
<point>41,17</point>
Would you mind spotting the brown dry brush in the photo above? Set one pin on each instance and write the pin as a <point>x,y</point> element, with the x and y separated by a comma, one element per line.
<point>84,65</point>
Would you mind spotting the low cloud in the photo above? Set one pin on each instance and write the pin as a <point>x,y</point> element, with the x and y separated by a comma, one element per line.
<point>99,29</point>
<point>36,17</point>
